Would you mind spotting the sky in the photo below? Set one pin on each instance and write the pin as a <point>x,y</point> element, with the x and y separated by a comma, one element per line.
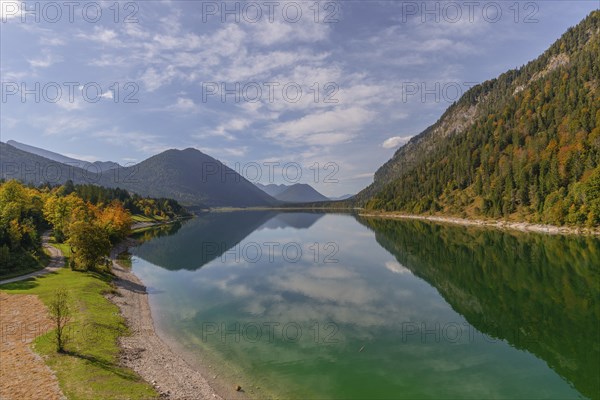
<point>281,91</point>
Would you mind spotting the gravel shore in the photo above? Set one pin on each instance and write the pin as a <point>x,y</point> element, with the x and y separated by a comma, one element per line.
<point>506,225</point>
<point>145,352</point>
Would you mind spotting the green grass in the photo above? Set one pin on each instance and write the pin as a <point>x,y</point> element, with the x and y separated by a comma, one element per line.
<point>144,218</point>
<point>27,262</point>
<point>90,367</point>
<point>124,259</point>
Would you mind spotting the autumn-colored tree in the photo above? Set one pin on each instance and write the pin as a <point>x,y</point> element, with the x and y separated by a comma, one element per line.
<point>62,211</point>
<point>89,243</point>
<point>116,220</point>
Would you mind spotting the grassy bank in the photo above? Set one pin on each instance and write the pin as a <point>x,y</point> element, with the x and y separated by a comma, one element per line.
<point>90,367</point>
<point>27,263</point>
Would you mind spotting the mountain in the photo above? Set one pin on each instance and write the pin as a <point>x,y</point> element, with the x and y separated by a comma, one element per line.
<point>524,146</point>
<point>300,193</point>
<point>343,197</point>
<point>32,168</point>
<point>297,193</point>
<point>189,176</point>
<point>193,178</point>
<point>272,189</point>
<point>98,166</point>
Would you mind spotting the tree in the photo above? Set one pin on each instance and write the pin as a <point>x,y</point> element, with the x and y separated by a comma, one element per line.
<point>60,311</point>
<point>116,220</point>
<point>62,211</point>
<point>90,244</point>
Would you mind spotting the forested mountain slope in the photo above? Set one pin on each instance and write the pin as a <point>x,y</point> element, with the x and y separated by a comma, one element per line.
<point>524,146</point>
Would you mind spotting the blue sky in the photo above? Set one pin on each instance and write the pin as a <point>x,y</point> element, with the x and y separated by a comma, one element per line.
<point>362,68</point>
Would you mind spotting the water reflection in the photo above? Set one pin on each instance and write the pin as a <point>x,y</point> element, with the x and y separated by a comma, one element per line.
<point>540,293</point>
<point>395,290</point>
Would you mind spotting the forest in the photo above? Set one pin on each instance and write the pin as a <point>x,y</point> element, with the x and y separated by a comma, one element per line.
<point>89,219</point>
<point>530,153</point>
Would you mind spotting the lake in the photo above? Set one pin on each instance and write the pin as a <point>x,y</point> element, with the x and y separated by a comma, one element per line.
<point>336,306</point>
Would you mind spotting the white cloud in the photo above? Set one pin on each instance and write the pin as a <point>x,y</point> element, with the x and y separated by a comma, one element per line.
<point>183,104</point>
<point>397,268</point>
<point>51,41</point>
<point>102,35</point>
<point>63,125</point>
<point>329,127</point>
<point>109,60</point>
<point>46,61</point>
<point>9,9</point>
<point>145,142</point>
<point>8,122</point>
<point>220,152</point>
<point>363,176</point>
<point>154,78</point>
<point>66,104</point>
<point>224,130</point>
<point>395,141</point>
<point>278,32</point>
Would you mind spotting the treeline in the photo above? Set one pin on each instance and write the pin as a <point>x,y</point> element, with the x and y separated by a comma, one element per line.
<point>533,151</point>
<point>153,208</point>
<point>88,219</point>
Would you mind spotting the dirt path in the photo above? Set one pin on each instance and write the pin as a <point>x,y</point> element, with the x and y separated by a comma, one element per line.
<point>145,352</point>
<point>57,261</point>
<point>23,374</point>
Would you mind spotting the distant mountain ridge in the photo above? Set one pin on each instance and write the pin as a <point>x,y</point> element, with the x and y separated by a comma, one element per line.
<point>99,166</point>
<point>189,176</point>
<point>272,189</point>
<point>296,193</point>
<point>301,193</point>
<point>192,177</point>
<point>342,197</point>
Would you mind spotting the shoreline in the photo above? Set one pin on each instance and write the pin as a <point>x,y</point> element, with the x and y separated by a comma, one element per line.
<point>145,352</point>
<point>495,224</point>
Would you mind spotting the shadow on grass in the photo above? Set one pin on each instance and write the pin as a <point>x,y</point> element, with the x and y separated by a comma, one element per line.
<point>105,365</point>
<point>29,283</point>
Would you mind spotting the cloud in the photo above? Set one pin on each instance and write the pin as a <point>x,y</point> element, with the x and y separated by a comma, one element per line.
<point>184,104</point>
<point>66,104</point>
<point>395,141</point>
<point>44,62</point>
<point>109,60</point>
<point>224,130</point>
<point>63,125</point>
<point>8,122</point>
<point>102,35</point>
<point>51,41</point>
<point>9,9</point>
<point>154,78</point>
<point>145,142</point>
<point>279,32</point>
<point>363,176</point>
<point>329,127</point>
<point>397,268</point>
<point>222,151</point>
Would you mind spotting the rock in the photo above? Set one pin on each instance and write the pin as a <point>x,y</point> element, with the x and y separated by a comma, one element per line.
<point>238,388</point>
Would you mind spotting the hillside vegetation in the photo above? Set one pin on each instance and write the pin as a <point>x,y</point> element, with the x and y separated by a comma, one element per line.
<point>189,176</point>
<point>524,146</point>
<point>89,219</point>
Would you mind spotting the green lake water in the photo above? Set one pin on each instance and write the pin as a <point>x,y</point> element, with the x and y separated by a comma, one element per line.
<point>333,306</point>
